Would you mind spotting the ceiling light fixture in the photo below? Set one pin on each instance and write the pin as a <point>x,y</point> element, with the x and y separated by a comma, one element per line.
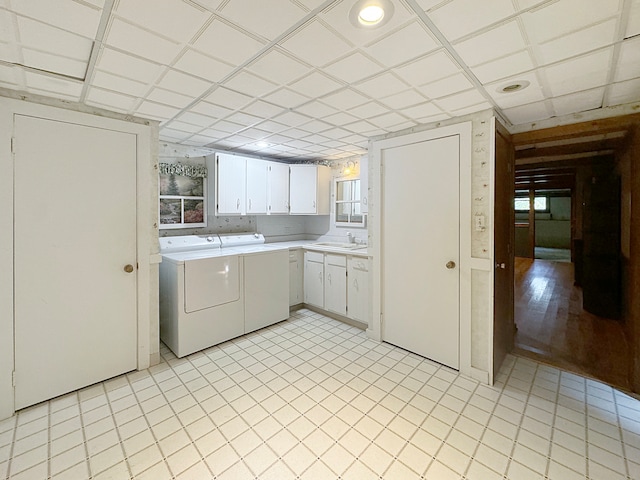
<point>513,87</point>
<point>371,13</point>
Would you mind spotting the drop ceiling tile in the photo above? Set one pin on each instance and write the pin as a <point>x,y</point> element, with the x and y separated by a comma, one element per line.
<point>228,98</point>
<point>228,127</point>
<point>495,43</point>
<point>199,140</point>
<point>255,133</point>
<point>8,75</point>
<point>462,17</point>
<point>369,109</point>
<point>132,39</point>
<point>629,61</point>
<point>345,99</point>
<point>268,19</point>
<point>55,86</point>
<point>428,69</point>
<point>478,107</point>
<point>250,84</point>
<point>531,94</point>
<point>633,25</point>
<point>110,99</point>
<point>504,67</point>
<point>46,38</point>
<point>118,63</point>
<point>202,121</point>
<point>262,109</point>
<point>278,139</point>
<point>203,66</point>
<point>556,19</point>
<point>576,43</point>
<point>527,4</point>
<point>316,44</point>
<point>578,102</point>
<point>316,142</point>
<point>177,20</point>
<point>315,84</point>
<point>7,30</point>
<point>244,119</point>
<point>527,113</point>
<point>286,98</point>
<point>227,43</point>
<point>54,63</point>
<point>447,86</point>
<point>362,127</point>
<point>315,126</point>
<point>353,67</point>
<point>171,135</point>
<point>337,15</point>
<point>410,42</point>
<point>278,67</point>
<point>271,126</point>
<point>460,100</point>
<point>183,83</point>
<point>340,118</point>
<point>65,14</point>
<point>623,92</point>
<point>388,120</point>
<point>423,111</point>
<point>49,93</point>
<point>167,97</point>
<point>428,4</point>
<point>381,86</point>
<point>316,109</point>
<point>403,100</point>
<point>211,110</point>
<point>291,119</point>
<point>578,74</point>
<point>213,133</point>
<point>184,127</point>
<point>118,84</point>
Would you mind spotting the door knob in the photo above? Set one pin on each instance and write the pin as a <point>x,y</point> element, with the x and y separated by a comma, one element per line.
<point>451,264</point>
<point>128,268</point>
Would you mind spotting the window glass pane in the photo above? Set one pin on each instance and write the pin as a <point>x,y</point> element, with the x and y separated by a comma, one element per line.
<point>522,204</point>
<point>540,203</point>
<point>181,185</point>
<point>170,211</point>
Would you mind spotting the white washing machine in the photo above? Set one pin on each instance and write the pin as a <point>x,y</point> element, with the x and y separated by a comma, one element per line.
<point>201,293</point>
<point>265,279</point>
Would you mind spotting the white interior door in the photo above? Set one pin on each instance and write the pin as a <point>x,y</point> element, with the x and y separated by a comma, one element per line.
<point>75,231</point>
<point>420,236</point>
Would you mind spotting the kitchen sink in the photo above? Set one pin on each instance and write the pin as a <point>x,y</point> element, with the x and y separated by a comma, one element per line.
<point>348,246</point>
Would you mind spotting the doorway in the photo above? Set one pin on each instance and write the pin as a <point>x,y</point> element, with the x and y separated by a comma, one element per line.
<point>569,313</point>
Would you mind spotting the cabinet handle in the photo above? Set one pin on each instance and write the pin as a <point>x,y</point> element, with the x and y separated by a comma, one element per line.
<point>329,278</point>
<point>249,204</point>
<point>355,284</point>
<point>314,204</point>
<point>320,276</point>
<point>238,205</point>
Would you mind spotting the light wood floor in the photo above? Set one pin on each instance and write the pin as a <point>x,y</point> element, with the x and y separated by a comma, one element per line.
<point>553,327</point>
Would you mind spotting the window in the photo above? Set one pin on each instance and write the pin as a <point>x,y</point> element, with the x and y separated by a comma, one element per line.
<point>540,204</point>
<point>348,208</point>
<point>182,196</point>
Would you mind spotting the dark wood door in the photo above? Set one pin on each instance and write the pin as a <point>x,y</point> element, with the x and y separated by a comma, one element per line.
<point>504,234</point>
<point>601,273</point>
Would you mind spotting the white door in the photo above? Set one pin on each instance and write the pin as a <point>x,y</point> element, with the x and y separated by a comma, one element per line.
<point>256,186</point>
<point>420,237</point>
<point>75,231</point>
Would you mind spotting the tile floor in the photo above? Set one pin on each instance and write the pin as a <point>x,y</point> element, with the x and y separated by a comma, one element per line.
<point>313,398</point>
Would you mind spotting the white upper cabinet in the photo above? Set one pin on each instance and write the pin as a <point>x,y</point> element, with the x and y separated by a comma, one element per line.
<point>256,186</point>
<point>364,184</point>
<point>231,173</point>
<point>278,188</point>
<point>309,191</point>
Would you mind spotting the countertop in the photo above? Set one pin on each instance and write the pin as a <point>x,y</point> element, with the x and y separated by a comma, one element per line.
<point>311,245</point>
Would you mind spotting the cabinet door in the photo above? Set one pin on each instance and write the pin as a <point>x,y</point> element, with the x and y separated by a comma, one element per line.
<point>231,183</point>
<point>295,277</point>
<point>313,283</point>
<point>302,189</point>
<point>335,284</point>
<point>256,186</point>
<point>358,289</point>
<point>278,188</point>
<point>364,184</point>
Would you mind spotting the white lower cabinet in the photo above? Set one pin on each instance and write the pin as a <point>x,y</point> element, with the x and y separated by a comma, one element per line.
<point>335,283</point>
<point>314,279</point>
<point>358,289</point>
<point>296,267</point>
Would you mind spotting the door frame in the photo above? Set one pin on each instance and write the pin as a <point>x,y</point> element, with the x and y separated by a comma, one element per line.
<point>146,224</point>
<point>464,131</point>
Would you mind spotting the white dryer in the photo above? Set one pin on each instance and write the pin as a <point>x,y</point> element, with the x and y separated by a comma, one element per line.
<point>201,293</point>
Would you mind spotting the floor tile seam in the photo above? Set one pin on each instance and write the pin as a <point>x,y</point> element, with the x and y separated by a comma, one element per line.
<point>10,457</point>
<point>85,440</point>
<point>622,442</point>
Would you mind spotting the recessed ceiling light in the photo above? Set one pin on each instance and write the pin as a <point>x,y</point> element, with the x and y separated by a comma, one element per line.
<point>371,13</point>
<point>513,87</point>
